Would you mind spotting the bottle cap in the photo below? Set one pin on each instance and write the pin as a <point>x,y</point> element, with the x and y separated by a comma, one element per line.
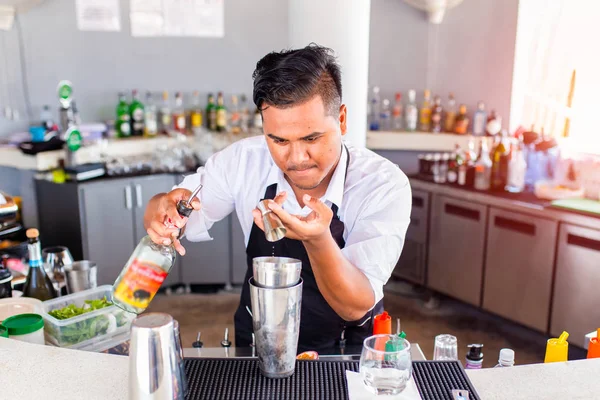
<point>475,353</point>
<point>32,233</point>
<point>23,324</point>
<point>507,356</point>
<point>382,324</point>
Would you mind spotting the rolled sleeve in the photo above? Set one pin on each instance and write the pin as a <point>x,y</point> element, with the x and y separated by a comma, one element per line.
<point>375,242</point>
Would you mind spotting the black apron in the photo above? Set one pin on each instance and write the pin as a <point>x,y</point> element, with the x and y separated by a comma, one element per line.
<point>320,326</point>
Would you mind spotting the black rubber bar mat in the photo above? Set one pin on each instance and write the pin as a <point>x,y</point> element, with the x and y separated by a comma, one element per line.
<point>436,379</point>
<point>233,379</point>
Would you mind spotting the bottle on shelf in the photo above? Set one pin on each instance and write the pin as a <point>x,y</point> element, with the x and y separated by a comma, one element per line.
<point>436,167</point>
<point>374,110</point>
<point>483,167</point>
<point>506,358</point>
<point>461,166</point>
<point>235,117</point>
<point>385,118</point>
<point>179,114</point>
<point>150,117</point>
<point>461,126</point>
<point>397,113</point>
<point>165,113</point>
<point>436,115</point>
<point>452,176</point>
<point>450,114</point>
<point>425,112</point>
<point>136,113</point>
<point>196,114</point>
<point>499,155</point>
<point>412,112</point>
<point>147,268</point>
<point>244,114</point>
<point>38,285</point>
<point>494,124</point>
<point>211,113</point>
<point>122,125</point>
<point>444,168</point>
<point>517,167</point>
<point>479,120</point>
<point>257,124</point>
<point>221,113</point>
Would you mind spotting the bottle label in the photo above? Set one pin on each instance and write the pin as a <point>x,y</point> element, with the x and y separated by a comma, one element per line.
<point>140,283</point>
<point>180,122</point>
<point>425,116</point>
<point>35,263</point>
<point>196,120</point>
<point>221,116</point>
<point>411,118</point>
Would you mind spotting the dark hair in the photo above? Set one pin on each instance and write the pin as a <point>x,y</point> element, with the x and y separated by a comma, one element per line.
<point>290,77</point>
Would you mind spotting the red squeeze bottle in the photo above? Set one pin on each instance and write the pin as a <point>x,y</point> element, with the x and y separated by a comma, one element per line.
<point>594,346</point>
<point>382,324</point>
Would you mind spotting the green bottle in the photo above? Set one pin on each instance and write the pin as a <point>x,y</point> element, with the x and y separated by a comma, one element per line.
<point>38,285</point>
<point>122,123</point>
<point>211,113</point>
<point>136,112</point>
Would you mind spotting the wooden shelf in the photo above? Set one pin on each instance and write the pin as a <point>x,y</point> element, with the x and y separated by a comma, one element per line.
<point>415,141</point>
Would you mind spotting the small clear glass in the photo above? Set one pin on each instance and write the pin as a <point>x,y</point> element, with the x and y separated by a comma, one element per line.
<point>445,348</point>
<point>386,364</point>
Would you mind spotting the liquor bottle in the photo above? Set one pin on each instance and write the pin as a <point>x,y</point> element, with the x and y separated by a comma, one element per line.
<point>385,117</point>
<point>494,124</point>
<point>479,120</point>
<point>136,113</point>
<point>150,117</point>
<point>436,115</point>
<point>196,114</point>
<point>122,123</point>
<point>38,285</point>
<point>425,112</point>
<point>450,114</point>
<point>412,112</point>
<point>245,114</point>
<point>517,167</point>
<point>461,126</point>
<point>221,114</point>
<point>398,113</point>
<point>452,176</point>
<point>147,268</point>
<point>235,117</point>
<point>499,165</point>
<point>374,110</point>
<point>165,113</point>
<point>211,113</point>
<point>179,114</point>
<point>483,167</point>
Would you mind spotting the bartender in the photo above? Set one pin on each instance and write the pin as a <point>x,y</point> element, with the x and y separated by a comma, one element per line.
<point>346,209</point>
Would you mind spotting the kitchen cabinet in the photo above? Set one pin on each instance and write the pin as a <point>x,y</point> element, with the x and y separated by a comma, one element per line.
<point>518,267</point>
<point>412,263</point>
<point>576,288</point>
<point>456,244</point>
<point>239,263</point>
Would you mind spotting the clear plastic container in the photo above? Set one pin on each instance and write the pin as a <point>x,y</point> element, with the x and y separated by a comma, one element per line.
<point>85,329</point>
<point>112,344</point>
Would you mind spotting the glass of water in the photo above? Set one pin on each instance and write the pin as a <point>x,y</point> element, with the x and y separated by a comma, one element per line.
<point>445,348</point>
<point>386,364</point>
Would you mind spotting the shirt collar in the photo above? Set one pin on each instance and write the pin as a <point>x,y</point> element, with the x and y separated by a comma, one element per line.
<point>335,191</point>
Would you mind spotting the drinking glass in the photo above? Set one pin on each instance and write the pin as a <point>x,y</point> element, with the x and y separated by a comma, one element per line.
<point>445,348</point>
<point>386,364</point>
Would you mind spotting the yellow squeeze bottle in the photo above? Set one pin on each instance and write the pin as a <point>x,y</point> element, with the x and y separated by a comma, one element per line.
<point>557,349</point>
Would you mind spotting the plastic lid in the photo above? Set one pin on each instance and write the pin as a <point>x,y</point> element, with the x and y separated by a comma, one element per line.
<point>3,331</point>
<point>23,324</point>
<point>507,356</point>
<point>475,353</point>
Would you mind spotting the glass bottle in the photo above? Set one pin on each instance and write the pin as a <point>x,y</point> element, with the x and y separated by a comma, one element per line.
<point>412,112</point>
<point>494,124</point>
<point>147,268</point>
<point>397,113</point>
<point>385,118</point>
<point>374,124</point>
<point>150,117</point>
<point>136,113</point>
<point>450,114</point>
<point>498,175</point>
<point>38,285</point>
<point>211,113</point>
<point>235,117</point>
<point>165,113</point>
<point>479,120</point>
<point>517,167</point>
<point>425,112</point>
<point>179,114</point>
<point>461,126</point>
<point>257,124</point>
<point>196,114</point>
<point>436,115</point>
<point>122,123</point>
<point>221,114</point>
<point>452,176</point>
<point>245,114</point>
<point>483,168</point>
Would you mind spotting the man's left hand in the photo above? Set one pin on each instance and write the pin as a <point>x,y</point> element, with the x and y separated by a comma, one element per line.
<point>314,226</point>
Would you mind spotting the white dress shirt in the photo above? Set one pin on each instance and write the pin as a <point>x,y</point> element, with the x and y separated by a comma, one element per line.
<point>374,201</point>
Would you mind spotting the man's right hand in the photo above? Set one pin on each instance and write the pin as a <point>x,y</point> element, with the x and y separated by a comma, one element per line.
<point>163,222</point>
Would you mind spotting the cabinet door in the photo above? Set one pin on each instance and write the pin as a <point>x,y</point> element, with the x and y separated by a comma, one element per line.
<point>208,262</point>
<point>107,226</point>
<point>456,244</point>
<point>239,263</point>
<point>518,267</point>
<point>577,284</point>
<point>144,188</point>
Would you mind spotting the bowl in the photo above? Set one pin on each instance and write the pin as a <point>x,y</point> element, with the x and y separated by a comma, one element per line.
<point>276,272</point>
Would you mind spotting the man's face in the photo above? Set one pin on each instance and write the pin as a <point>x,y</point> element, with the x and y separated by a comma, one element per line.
<point>304,141</point>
